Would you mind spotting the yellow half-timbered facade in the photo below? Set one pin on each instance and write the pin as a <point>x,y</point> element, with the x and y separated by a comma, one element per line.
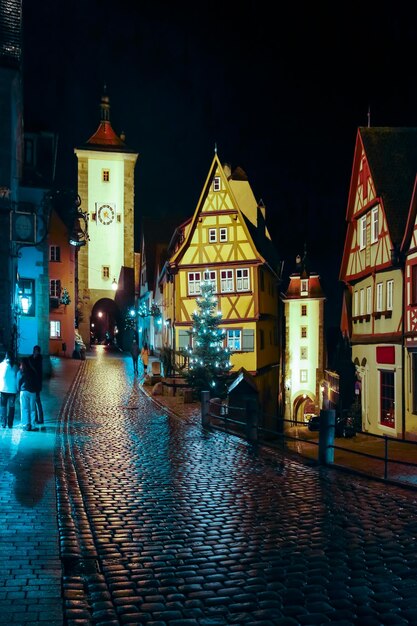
<point>384,167</point>
<point>227,242</point>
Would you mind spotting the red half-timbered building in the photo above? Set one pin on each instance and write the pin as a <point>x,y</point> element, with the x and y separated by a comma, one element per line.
<point>372,269</point>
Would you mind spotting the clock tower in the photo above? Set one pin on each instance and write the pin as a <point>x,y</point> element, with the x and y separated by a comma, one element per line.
<point>105,265</point>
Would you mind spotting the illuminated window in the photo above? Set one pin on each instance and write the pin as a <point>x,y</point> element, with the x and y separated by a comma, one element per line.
<point>304,287</point>
<point>54,253</point>
<point>54,288</point>
<point>369,300</point>
<point>223,234</point>
<point>362,232</point>
<point>105,176</point>
<point>105,271</point>
<point>194,280</point>
<point>303,376</point>
<point>226,280</point>
<point>234,340</point>
<point>303,310</point>
<point>54,329</point>
<point>210,275</point>
<point>26,296</point>
<point>216,183</point>
<point>379,294</point>
<point>303,353</point>
<point>390,294</point>
<point>242,280</point>
<point>212,235</point>
<point>374,225</point>
<point>387,398</point>
<point>304,332</point>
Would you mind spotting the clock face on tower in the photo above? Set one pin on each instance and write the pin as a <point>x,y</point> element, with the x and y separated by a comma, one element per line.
<point>106,214</point>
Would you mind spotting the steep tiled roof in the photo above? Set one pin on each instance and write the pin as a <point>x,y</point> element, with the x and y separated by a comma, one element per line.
<point>392,158</point>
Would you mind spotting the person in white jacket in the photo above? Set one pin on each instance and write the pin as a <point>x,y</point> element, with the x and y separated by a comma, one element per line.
<point>8,390</point>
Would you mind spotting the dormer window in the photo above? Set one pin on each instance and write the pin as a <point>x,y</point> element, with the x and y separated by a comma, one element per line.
<point>216,183</point>
<point>304,287</point>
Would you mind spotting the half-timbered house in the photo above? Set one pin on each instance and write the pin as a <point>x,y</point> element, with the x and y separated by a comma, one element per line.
<point>227,242</point>
<point>409,252</point>
<point>384,168</point>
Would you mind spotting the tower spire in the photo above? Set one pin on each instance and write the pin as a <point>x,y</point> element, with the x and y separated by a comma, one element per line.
<point>105,106</point>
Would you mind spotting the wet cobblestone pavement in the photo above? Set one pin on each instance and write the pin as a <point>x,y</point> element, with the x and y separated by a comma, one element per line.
<point>162,523</point>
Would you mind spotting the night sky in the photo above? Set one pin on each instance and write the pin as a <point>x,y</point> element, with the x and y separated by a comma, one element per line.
<point>281,92</point>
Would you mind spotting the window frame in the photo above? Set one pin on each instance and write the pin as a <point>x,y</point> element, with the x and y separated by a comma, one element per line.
<point>212,278</point>
<point>194,283</point>
<point>54,253</point>
<point>303,310</point>
<point>362,232</point>
<point>105,175</point>
<point>223,234</point>
<point>56,324</point>
<point>304,287</point>
<point>212,235</point>
<point>55,287</point>
<point>387,398</point>
<point>390,294</point>
<point>233,339</point>
<point>242,279</point>
<point>226,280</point>
<point>303,332</point>
<point>217,185</point>
<point>105,272</point>
<point>368,300</point>
<point>374,225</point>
<point>379,297</point>
<point>303,376</point>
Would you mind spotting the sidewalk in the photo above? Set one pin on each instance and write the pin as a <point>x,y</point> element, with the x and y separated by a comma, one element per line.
<point>30,565</point>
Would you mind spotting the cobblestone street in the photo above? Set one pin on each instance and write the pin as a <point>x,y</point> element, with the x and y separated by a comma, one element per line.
<point>162,523</point>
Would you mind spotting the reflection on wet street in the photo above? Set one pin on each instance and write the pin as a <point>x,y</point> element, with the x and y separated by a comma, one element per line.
<point>164,523</point>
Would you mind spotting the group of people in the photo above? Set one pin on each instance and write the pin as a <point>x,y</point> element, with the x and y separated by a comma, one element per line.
<point>25,380</point>
<point>144,355</point>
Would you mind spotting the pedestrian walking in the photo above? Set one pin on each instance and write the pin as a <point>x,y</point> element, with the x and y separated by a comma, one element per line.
<point>27,384</point>
<point>8,389</point>
<point>144,355</point>
<point>134,351</point>
<point>37,364</point>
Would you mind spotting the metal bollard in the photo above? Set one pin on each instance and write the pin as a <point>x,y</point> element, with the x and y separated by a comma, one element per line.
<point>205,409</point>
<point>326,436</point>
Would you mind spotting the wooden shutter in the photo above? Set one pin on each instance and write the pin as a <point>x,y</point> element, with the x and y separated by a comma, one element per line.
<point>248,340</point>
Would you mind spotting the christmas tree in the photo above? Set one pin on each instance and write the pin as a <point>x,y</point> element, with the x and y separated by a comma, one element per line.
<point>209,361</point>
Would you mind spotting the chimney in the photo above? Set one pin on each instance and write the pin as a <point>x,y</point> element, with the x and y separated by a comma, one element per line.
<point>227,170</point>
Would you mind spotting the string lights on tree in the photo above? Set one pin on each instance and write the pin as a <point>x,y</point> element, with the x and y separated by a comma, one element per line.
<point>209,361</point>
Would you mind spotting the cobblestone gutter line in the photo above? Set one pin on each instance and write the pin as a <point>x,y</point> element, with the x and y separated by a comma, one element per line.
<point>81,571</point>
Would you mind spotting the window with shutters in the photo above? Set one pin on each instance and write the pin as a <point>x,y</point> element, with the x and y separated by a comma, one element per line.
<point>248,340</point>
<point>234,340</point>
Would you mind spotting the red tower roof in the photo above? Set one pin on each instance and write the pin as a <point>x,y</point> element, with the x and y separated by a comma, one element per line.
<point>105,136</point>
